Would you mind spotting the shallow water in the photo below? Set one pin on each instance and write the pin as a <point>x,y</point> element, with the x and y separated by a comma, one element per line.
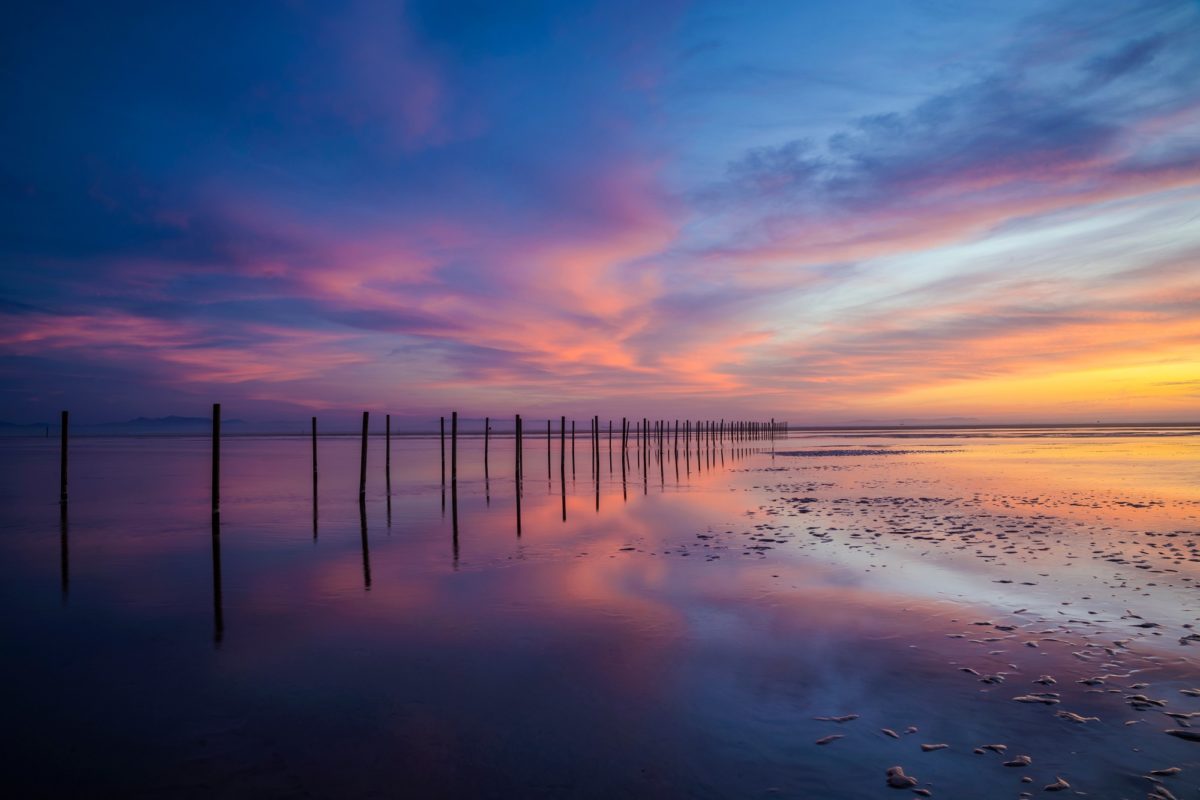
<point>676,635</point>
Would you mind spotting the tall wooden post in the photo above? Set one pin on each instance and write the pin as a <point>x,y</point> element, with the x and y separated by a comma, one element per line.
<point>314,475</point>
<point>562,464</point>
<point>518,454</point>
<point>216,457</point>
<point>62,461</point>
<point>453,448</point>
<point>442,423</point>
<point>362,464</point>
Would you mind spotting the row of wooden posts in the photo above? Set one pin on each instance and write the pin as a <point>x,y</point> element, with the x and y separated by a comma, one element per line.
<point>646,431</point>
<point>660,433</point>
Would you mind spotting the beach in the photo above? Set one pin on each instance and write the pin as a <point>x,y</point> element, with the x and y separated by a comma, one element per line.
<point>853,614</point>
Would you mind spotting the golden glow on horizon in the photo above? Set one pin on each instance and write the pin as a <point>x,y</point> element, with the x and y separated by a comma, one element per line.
<point>1170,388</point>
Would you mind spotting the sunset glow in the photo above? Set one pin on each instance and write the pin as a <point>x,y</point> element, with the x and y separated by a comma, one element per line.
<point>860,213</point>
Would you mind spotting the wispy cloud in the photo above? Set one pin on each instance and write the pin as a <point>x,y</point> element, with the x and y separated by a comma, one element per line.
<point>408,204</point>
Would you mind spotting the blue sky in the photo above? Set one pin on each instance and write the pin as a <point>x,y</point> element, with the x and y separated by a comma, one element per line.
<point>826,212</point>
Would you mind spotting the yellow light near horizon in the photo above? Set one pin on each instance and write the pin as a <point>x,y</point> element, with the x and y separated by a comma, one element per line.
<point>1162,390</point>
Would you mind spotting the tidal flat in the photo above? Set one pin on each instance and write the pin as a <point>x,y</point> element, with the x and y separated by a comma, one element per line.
<point>847,614</point>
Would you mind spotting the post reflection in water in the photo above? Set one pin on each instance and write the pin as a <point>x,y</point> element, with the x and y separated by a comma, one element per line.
<point>645,459</point>
<point>366,551</point>
<point>218,606</point>
<point>454,524</point>
<point>624,483</point>
<point>64,556</point>
<point>662,474</point>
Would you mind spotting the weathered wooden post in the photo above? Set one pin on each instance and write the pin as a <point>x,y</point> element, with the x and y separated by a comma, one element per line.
<point>519,454</point>
<point>216,458</point>
<point>362,465</point>
<point>62,462</point>
<point>387,450</point>
<point>520,470</point>
<point>442,424</point>
<point>562,463</point>
<point>453,448</point>
<point>487,434</point>
<point>314,475</point>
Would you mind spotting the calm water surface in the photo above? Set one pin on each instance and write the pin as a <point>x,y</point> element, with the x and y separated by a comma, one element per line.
<point>676,635</point>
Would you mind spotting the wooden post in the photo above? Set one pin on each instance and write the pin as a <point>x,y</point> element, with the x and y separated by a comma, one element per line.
<point>547,450</point>
<point>562,464</point>
<point>453,448</point>
<point>314,475</point>
<point>517,445</point>
<point>596,456</point>
<point>387,448</point>
<point>216,458</point>
<point>362,465</point>
<point>62,462</point>
<point>442,423</point>
<point>487,434</point>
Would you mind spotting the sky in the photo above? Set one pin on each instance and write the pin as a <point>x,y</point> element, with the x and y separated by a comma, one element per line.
<point>861,211</point>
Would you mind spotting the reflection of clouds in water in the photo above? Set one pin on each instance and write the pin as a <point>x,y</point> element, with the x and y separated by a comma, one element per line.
<point>653,634</point>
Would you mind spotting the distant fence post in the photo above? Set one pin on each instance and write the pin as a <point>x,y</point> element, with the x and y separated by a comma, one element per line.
<point>216,458</point>
<point>453,448</point>
<point>62,462</point>
<point>362,464</point>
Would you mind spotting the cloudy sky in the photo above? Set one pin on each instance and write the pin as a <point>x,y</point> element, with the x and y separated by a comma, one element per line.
<point>820,211</point>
